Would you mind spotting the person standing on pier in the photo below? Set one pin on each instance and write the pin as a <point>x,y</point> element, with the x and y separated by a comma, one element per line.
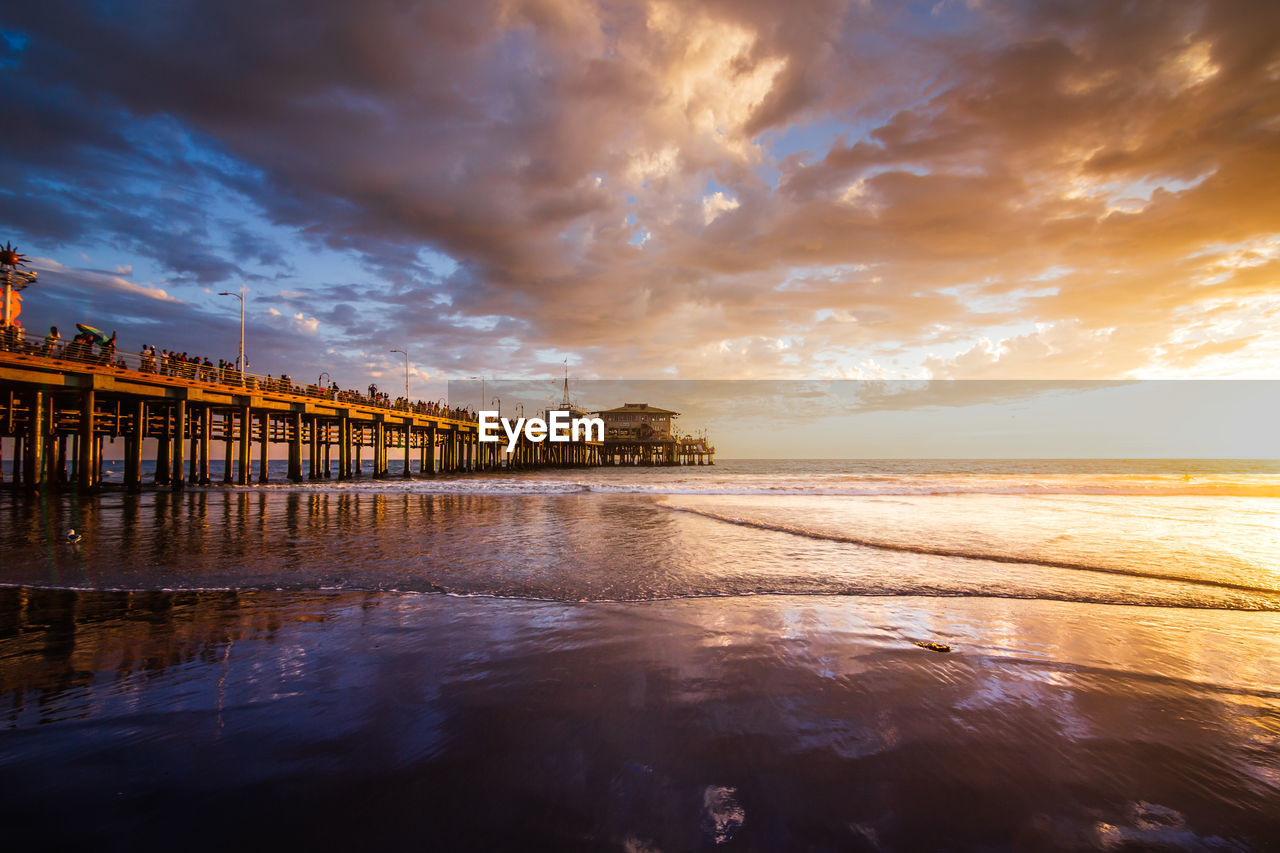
<point>51,340</point>
<point>108,350</point>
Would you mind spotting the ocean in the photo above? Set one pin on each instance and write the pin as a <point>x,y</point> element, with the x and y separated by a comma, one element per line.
<point>653,659</point>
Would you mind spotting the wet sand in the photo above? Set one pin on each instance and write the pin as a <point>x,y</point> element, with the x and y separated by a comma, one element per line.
<point>309,719</point>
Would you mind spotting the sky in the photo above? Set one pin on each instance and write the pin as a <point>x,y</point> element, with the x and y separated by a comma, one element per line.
<point>933,419</point>
<point>1064,190</point>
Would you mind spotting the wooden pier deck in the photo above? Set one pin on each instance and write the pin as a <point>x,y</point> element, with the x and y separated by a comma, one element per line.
<point>61,410</point>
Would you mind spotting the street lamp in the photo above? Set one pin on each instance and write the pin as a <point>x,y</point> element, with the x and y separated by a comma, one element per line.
<point>497,400</point>
<point>481,378</point>
<point>241,364</point>
<point>406,375</point>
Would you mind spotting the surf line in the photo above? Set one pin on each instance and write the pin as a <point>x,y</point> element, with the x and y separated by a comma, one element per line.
<point>967,555</point>
<point>558,427</point>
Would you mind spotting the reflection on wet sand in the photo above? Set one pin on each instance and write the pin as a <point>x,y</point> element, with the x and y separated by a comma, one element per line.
<point>244,539</point>
<point>56,641</point>
<point>771,722</point>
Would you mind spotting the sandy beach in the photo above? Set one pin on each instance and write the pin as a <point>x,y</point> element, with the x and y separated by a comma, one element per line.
<point>764,723</point>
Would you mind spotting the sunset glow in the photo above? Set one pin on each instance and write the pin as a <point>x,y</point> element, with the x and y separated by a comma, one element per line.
<point>727,190</point>
<point>640,425</point>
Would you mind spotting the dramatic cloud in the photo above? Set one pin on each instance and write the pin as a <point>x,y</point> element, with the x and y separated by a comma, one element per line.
<point>1063,190</point>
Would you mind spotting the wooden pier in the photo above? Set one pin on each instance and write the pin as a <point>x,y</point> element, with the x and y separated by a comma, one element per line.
<point>672,450</point>
<point>61,411</point>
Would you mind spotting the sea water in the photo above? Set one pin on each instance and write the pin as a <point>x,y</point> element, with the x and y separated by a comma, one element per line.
<point>657,658</point>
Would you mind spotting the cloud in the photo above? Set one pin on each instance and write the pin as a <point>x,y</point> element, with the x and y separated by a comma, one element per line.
<point>59,279</point>
<point>716,204</point>
<point>823,189</point>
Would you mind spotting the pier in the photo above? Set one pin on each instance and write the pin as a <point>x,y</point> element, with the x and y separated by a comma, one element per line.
<point>641,434</point>
<point>673,450</point>
<point>61,405</point>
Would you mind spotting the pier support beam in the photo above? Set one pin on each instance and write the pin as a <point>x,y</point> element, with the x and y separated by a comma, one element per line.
<point>206,440</point>
<point>62,459</point>
<point>51,477</point>
<point>84,442</point>
<point>408,442</point>
<point>179,438</point>
<point>228,425</point>
<point>193,445</point>
<point>344,448</point>
<point>193,465</point>
<point>313,452</point>
<point>133,448</point>
<point>263,452</point>
<point>295,448</point>
<point>246,429</point>
<point>34,469</point>
<point>326,451</point>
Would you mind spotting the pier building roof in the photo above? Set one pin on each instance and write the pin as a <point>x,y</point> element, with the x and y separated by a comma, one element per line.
<point>628,408</point>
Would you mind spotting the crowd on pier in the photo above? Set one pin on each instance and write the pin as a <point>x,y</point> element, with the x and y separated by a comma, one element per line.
<point>95,348</point>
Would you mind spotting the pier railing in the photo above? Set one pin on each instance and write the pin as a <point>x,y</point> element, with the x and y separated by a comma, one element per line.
<point>80,355</point>
<point>61,402</point>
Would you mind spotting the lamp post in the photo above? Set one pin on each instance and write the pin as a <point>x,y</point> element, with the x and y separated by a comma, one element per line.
<point>481,378</point>
<point>406,375</point>
<point>241,364</point>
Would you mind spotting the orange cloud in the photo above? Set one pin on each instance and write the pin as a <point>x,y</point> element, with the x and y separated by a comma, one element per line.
<point>1002,189</point>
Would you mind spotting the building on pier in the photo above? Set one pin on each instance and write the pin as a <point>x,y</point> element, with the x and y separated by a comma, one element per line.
<point>638,422</point>
<point>641,434</point>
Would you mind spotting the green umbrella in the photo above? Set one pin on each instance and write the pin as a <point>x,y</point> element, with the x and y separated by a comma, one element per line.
<point>90,330</point>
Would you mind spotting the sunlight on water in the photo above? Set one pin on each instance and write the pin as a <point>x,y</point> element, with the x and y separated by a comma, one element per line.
<point>588,544</point>
<point>1224,541</point>
<point>657,659</point>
